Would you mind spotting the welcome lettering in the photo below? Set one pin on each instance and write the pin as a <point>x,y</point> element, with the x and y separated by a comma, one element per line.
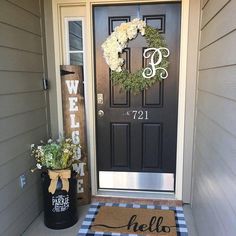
<point>72,88</point>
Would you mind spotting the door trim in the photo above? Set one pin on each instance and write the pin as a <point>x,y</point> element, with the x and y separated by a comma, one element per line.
<point>55,5</point>
<point>182,89</point>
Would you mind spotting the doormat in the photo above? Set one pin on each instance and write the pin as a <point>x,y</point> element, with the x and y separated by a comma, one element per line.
<point>124,219</point>
<point>135,220</point>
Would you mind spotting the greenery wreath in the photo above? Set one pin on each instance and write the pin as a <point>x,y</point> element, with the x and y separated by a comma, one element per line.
<point>118,41</point>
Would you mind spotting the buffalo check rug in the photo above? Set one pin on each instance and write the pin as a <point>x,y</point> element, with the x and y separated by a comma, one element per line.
<point>86,227</point>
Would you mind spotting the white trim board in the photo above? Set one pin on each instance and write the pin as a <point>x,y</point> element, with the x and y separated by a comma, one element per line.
<point>89,84</point>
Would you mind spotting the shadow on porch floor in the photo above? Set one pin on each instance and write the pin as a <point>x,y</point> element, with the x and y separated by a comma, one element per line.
<point>37,228</point>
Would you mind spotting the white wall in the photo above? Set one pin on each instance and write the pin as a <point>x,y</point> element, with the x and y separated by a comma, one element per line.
<point>214,205</point>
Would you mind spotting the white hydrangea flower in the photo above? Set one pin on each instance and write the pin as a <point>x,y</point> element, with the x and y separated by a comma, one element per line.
<point>140,24</point>
<point>39,166</point>
<point>32,146</point>
<point>132,32</point>
<point>119,69</point>
<point>118,40</point>
<point>142,31</point>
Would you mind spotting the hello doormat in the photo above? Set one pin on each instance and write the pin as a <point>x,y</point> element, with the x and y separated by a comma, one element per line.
<point>133,219</point>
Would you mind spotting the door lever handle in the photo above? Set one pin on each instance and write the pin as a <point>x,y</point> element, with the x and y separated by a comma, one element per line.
<point>100,113</point>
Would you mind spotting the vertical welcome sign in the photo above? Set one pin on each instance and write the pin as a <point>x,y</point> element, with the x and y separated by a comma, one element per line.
<point>74,124</point>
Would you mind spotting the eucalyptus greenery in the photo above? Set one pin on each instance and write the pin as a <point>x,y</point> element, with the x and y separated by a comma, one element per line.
<point>135,82</point>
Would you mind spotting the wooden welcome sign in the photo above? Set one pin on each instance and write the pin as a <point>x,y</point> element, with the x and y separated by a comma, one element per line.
<point>74,124</point>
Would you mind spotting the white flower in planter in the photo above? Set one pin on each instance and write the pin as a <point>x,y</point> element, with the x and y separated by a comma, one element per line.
<point>50,156</point>
<point>66,151</point>
<point>50,140</point>
<point>54,155</point>
<point>39,166</point>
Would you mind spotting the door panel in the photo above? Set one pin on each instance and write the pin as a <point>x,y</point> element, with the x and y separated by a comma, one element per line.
<point>137,133</point>
<point>152,146</point>
<point>120,145</point>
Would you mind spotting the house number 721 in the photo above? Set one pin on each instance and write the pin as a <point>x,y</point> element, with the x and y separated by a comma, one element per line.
<point>140,115</point>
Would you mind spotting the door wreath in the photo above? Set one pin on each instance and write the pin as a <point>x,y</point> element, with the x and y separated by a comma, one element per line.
<point>157,52</point>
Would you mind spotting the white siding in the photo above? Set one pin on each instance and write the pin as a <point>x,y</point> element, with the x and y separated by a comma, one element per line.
<point>23,109</point>
<point>214,189</point>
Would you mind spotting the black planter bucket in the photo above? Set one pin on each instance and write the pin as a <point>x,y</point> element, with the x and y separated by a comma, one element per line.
<point>60,208</point>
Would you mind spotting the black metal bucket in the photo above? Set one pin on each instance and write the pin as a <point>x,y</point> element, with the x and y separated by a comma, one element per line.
<point>60,208</point>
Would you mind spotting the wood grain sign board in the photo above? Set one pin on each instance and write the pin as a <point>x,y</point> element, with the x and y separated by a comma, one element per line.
<point>73,105</point>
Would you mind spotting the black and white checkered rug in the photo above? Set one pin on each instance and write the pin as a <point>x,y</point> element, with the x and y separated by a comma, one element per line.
<point>94,209</point>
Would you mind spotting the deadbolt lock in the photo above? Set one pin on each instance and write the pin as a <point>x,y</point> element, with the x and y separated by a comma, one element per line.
<point>100,98</point>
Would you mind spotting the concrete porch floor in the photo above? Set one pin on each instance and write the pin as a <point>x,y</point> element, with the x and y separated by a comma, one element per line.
<point>37,228</point>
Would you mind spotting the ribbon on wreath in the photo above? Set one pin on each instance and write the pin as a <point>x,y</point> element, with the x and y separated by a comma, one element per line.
<point>64,175</point>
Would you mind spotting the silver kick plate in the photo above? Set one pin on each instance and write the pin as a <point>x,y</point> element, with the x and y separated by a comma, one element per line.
<point>136,181</point>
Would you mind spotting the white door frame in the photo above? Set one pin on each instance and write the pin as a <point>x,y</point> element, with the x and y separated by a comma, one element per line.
<point>90,83</point>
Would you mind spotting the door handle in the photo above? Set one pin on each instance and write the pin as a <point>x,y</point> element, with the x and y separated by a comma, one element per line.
<point>100,113</point>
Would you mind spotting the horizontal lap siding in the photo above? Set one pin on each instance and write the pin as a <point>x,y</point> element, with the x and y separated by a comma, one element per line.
<point>211,32</point>
<point>18,164</point>
<point>18,17</point>
<point>25,41</point>
<point>219,54</point>
<point>23,221</point>
<point>214,189</point>
<point>30,5</point>
<point>219,138</point>
<point>219,81</point>
<point>18,60</point>
<point>20,82</point>
<point>219,110</point>
<point>8,199</point>
<point>21,103</point>
<point>12,214</point>
<point>18,124</point>
<point>23,118</point>
<point>211,8</point>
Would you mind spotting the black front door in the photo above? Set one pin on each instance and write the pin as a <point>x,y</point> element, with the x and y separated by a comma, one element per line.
<point>137,134</point>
